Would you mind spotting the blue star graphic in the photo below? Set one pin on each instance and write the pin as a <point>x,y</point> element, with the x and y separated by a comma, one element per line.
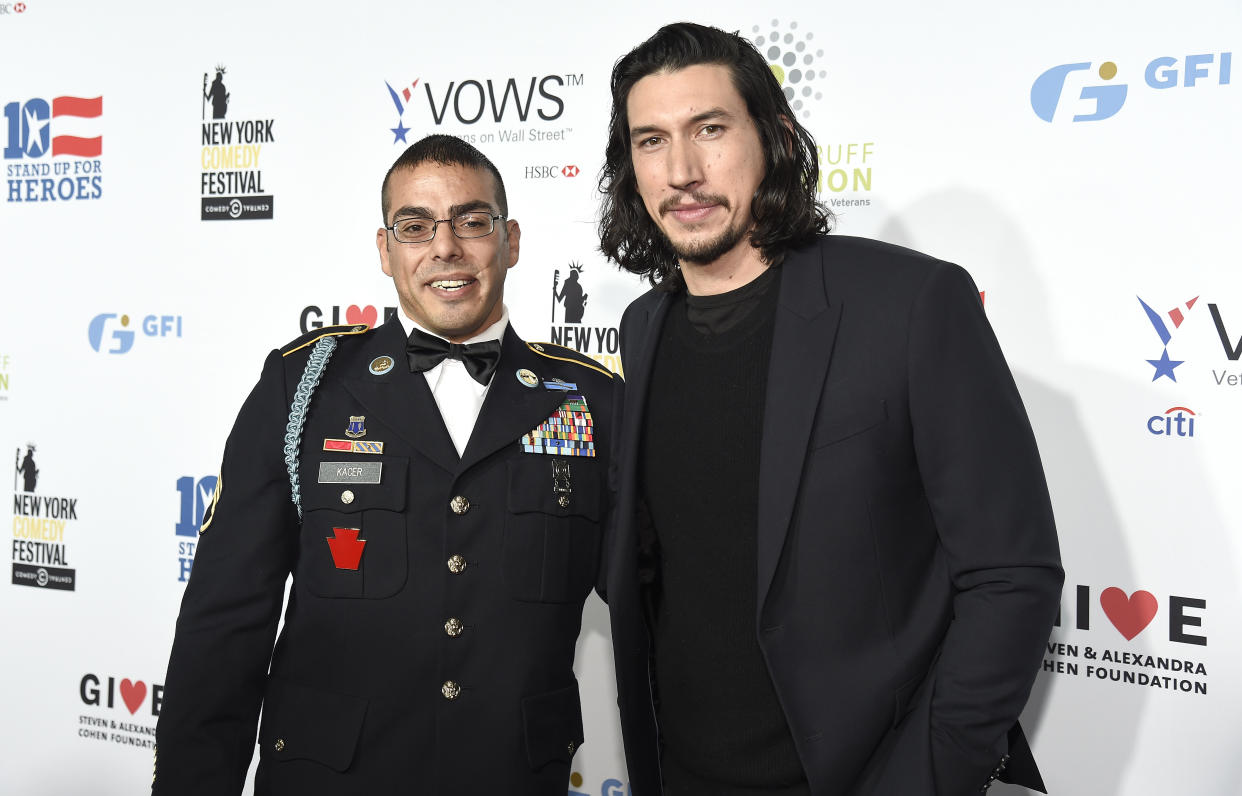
<point>398,132</point>
<point>1164,366</point>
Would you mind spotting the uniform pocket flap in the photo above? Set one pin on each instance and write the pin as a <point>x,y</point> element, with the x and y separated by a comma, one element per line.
<point>303,723</point>
<point>327,479</point>
<point>837,427</point>
<point>534,486</point>
<point>553,726</point>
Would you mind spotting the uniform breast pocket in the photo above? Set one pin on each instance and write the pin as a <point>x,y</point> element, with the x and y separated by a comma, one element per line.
<point>552,534</point>
<point>353,539</point>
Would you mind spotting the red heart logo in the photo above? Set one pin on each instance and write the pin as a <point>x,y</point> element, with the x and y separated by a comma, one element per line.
<point>1128,614</point>
<point>133,694</point>
<point>356,314</point>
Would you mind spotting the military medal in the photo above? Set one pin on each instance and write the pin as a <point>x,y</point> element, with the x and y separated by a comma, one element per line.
<point>569,431</point>
<point>353,445</point>
<point>561,482</point>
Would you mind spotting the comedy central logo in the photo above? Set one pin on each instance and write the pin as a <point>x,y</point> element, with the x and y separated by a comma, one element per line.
<point>793,62</point>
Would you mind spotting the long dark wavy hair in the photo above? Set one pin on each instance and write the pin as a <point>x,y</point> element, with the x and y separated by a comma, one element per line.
<point>784,207</point>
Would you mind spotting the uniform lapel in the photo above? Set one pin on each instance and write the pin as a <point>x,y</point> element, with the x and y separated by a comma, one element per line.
<point>511,408</point>
<point>400,398</point>
<point>802,342</point>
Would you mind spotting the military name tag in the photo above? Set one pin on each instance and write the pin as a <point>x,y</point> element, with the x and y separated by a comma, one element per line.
<point>350,472</point>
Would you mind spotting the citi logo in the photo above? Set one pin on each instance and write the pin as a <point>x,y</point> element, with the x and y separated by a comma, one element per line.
<point>111,334</point>
<point>552,172</point>
<point>1107,97</point>
<point>1177,421</point>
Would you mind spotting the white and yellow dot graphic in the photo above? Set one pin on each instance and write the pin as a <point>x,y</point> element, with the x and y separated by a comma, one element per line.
<point>792,58</point>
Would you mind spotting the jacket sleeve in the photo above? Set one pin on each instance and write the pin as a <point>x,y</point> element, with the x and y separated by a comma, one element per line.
<point>985,485</point>
<point>223,644</point>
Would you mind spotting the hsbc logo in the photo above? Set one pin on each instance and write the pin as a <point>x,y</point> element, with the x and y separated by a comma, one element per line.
<point>551,172</point>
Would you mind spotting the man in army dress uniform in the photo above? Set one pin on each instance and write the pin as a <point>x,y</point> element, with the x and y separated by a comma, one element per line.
<point>436,487</point>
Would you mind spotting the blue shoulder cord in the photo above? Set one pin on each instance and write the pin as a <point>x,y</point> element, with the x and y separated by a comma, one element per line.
<point>315,366</point>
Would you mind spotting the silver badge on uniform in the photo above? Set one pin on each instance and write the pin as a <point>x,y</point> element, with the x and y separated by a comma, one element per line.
<point>350,472</point>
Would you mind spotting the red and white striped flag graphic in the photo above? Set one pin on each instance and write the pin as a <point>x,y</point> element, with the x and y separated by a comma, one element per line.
<point>66,108</point>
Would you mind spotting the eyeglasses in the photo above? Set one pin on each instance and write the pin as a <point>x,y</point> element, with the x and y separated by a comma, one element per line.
<point>421,230</point>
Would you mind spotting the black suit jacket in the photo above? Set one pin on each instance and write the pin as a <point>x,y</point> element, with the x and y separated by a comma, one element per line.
<point>908,566</point>
<point>353,702</point>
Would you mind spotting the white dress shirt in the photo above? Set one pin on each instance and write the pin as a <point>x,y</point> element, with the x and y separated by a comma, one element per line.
<point>457,394</point>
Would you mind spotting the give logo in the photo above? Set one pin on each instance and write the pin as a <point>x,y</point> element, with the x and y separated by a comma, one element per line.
<point>1132,613</point>
<point>133,693</point>
<point>356,314</point>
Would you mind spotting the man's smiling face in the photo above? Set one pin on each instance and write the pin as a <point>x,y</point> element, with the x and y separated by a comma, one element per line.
<point>449,286</point>
<point>697,159</point>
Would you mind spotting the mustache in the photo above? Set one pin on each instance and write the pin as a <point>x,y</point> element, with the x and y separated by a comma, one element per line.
<point>673,202</point>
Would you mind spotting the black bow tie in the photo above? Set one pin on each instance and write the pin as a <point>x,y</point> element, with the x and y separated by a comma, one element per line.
<point>425,351</point>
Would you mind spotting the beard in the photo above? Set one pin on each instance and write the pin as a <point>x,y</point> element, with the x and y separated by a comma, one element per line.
<point>704,252</point>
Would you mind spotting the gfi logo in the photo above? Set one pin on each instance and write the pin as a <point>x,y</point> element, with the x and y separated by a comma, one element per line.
<point>1175,422</point>
<point>1163,72</point>
<point>152,326</point>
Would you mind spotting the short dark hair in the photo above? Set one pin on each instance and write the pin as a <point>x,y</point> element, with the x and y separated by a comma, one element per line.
<point>447,150</point>
<point>784,207</point>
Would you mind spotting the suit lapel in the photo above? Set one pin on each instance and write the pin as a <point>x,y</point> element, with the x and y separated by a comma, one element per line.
<point>802,342</point>
<point>638,378</point>
<point>401,398</point>
<point>511,408</point>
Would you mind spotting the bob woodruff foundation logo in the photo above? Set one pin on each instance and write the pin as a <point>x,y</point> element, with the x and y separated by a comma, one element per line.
<point>793,61</point>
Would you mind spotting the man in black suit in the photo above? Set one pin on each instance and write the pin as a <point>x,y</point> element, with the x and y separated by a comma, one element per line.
<point>835,564</point>
<point>435,487</point>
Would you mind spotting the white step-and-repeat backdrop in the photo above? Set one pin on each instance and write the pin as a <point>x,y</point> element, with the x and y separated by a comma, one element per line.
<point>186,187</point>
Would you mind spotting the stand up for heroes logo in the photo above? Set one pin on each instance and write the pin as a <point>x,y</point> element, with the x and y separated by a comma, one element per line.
<point>39,134</point>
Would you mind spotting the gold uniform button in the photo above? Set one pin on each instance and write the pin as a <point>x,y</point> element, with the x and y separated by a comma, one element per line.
<point>453,627</point>
<point>459,505</point>
<point>280,744</point>
<point>450,690</point>
<point>563,501</point>
<point>347,497</point>
<point>457,565</point>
